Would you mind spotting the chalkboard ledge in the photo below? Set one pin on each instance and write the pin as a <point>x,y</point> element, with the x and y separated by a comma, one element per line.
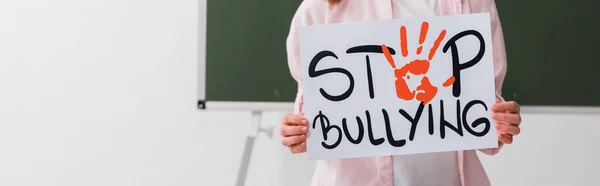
<point>560,109</point>
<point>258,106</point>
<point>289,106</point>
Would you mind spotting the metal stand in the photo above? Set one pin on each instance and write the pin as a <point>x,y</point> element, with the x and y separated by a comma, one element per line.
<point>253,130</point>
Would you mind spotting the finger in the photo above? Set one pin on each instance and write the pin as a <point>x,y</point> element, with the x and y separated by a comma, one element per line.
<point>503,123</point>
<point>508,129</point>
<point>506,123</point>
<point>289,130</point>
<point>291,119</point>
<point>514,119</point>
<point>299,148</point>
<point>506,139</point>
<point>509,106</point>
<point>293,140</point>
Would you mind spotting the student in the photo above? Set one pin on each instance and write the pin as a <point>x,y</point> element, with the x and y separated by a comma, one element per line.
<point>440,169</point>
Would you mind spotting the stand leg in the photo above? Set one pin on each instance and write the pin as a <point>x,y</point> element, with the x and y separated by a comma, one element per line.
<point>251,135</point>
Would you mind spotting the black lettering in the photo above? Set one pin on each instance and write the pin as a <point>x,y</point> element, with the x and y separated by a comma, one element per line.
<point>478,121</point>
<point>312,72</point>
<point>456,65</point>
<point>445,124</point>
<point>370,79</point>
<point>388,131</point>
<point>368,49</point>
<point>372,139</point>
<point>414,121</point>
<point>430,120</point>
<point>326,127</point>
<point>361,131</point>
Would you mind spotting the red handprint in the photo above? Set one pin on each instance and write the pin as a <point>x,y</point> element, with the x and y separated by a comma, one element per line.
<point>425,92</point>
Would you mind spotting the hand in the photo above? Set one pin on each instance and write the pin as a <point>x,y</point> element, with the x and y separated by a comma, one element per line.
<point>293,132</point>
<point>508,117</point>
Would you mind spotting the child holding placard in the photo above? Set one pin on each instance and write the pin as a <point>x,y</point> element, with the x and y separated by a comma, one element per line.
<point>443,168</point>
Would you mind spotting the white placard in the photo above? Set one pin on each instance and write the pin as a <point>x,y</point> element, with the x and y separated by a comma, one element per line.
<point>361,98</point>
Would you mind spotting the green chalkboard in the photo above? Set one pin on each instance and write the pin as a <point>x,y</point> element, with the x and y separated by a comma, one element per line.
<point>246,59</point>
<point>551,47</point>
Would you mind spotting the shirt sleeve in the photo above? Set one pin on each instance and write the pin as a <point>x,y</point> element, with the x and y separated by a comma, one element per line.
<point>306,14</point>
<point>499,62</point>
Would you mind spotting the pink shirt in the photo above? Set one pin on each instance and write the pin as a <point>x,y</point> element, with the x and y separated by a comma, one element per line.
<point>378,171</point>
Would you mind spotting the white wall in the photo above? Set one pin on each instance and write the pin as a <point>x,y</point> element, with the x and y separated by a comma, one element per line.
<point>553,149</point>
<point>99,92</point>
<point>102,92</point>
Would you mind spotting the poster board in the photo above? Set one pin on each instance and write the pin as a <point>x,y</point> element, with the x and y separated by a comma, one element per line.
<point>392,87</point>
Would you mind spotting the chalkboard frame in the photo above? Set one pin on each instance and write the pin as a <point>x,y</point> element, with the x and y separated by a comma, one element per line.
<point>201,76</point>
<point>202,102</point>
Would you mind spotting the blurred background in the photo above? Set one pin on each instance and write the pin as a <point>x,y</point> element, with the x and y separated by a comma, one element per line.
<point>103,92</point>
